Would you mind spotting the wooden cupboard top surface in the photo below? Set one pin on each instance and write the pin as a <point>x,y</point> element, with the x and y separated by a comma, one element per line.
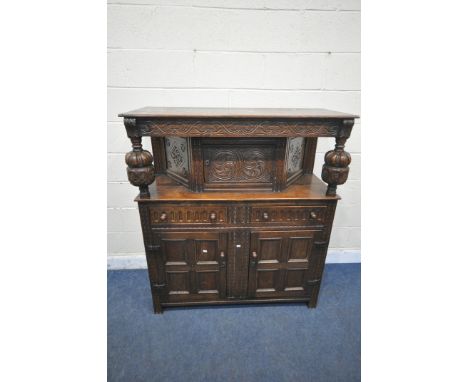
<point>193,112</point>
<point>308,187</point>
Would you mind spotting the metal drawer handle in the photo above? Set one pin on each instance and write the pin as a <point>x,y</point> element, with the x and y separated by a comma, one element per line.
<point>213,216</point>
<point>313,215</point>
<point>163,217</point>
<point>266,216</point>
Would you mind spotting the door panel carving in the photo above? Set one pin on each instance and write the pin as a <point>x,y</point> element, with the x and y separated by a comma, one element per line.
<point>238,164</point>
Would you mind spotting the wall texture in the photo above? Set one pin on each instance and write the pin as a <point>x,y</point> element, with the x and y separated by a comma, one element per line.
<point>232,53</point>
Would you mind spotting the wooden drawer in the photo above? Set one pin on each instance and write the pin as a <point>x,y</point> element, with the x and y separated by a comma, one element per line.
<point>164,214</point>
<point>300,215</point>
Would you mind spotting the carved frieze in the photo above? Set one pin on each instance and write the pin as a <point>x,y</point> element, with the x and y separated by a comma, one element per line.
<point>238,128</point>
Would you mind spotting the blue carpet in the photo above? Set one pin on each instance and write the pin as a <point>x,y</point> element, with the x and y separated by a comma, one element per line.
<point>285,342</point>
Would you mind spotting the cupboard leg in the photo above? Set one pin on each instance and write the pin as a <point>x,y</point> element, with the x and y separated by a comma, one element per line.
<point>157,305</point>
<point>313,298</point>
<point>314,287</point>
<point>156,293</point>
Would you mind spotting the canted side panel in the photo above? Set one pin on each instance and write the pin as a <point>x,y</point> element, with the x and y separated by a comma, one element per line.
<point>177,159</point>
<point>295,155</point>
<point>177,155</point>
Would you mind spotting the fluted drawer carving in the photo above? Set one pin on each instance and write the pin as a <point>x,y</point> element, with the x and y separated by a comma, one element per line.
<point>190,215</point>
<point>289,214</point>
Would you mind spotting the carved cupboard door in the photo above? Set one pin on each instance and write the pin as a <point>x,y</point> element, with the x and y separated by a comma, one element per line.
<point>282,263</point>
<point>193,264</point>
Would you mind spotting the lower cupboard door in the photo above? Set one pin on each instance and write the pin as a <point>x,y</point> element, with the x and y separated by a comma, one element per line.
<point>282,263</point>
<point>192,266</point>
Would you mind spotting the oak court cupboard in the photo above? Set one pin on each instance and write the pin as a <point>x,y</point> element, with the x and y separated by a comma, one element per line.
<point>230,210</point>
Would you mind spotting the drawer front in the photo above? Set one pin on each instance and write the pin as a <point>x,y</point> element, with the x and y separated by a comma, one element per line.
<point>295,215</point>
<point>163,215</point>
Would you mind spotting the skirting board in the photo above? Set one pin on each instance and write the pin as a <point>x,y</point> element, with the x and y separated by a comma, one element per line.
<point>138,260</point>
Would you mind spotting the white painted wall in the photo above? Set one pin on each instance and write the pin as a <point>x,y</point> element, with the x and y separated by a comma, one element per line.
<point>232,53</point>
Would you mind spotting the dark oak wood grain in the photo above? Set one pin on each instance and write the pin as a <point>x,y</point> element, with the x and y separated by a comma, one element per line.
<point>213,112</point>
<point>231,211</point>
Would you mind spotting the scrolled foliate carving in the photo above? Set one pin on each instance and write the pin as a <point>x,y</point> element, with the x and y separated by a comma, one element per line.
<point>224,165</point>
<point>237,128</point>
<point>253,164</point>
<point>239,165</point>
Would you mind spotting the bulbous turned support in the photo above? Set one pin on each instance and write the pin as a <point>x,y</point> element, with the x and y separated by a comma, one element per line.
<point>140,170</point>
<point>335,170</point>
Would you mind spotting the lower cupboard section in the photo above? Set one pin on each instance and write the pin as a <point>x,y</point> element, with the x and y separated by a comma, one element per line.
<point>214,267</point>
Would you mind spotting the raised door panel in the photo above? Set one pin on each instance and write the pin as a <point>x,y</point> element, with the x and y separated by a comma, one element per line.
<point>209,265</point>
<point>176,263</point>
<point>194,265</point>
<point>281,263</point>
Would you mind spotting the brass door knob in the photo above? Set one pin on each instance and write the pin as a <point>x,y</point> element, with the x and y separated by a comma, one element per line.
<point>163,217</point>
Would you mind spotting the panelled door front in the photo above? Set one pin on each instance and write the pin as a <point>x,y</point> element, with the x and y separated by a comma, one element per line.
<point>193,264</point>
<point>283,263</point>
